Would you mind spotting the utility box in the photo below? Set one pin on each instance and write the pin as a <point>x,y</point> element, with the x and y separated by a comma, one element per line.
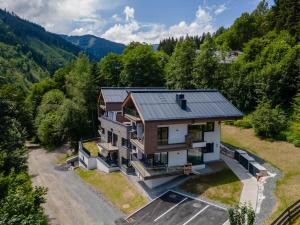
<point>245,160</point>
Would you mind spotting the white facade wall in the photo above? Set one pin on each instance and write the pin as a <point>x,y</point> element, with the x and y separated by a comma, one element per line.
<point>214,137</point>
<point>102,167</point>
<point>112,115</point>
<point>177,133</point>
<point>92,163</point>
<point>177,158</point>
<point>89,161</point>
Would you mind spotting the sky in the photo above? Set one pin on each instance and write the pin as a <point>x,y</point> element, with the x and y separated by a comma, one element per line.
<point>125,21</point>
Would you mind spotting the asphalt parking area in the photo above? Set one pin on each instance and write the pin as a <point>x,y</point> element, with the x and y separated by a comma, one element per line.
<point>174,208</point>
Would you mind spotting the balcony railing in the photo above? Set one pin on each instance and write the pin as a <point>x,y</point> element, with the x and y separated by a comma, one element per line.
<point>107,146</point>
<point>189,140</point>
<point>139,142</point>
<point>155,171</point>
<point>107,161</point>
<point>131,112</point>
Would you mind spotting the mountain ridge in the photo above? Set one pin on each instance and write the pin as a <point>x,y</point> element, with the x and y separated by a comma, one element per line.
<point>96,46</point>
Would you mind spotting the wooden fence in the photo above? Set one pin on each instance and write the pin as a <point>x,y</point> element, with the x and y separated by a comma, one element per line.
<point>288,215</point>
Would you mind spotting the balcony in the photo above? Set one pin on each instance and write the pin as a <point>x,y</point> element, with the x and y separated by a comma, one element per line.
<point>131,114</point>
<point>138,142</point>
<point>194,143</point>
<point>158,171</point>
<point>107,161</point>
<point>107,146</point>
<point>166,147</point>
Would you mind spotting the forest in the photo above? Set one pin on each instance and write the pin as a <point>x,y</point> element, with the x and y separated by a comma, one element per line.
<point>55,106</point>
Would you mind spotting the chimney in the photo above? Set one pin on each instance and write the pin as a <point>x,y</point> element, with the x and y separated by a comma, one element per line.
<point>181,101</point>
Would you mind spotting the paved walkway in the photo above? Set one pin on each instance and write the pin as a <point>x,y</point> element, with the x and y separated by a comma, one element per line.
<point>250,184</point>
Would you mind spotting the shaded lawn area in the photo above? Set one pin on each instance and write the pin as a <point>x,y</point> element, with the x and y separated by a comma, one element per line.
<point>115,188</point>
<point>283,155</point>
<point>62,158</point>
<point>92,147</point>
<point>223,186</point>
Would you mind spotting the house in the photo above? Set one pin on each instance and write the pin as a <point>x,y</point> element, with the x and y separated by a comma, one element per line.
<point>160,134</point>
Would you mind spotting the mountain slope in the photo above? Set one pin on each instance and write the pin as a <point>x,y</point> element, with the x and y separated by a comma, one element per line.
<point>48,50</point>
<point>28,53</point>
<point>98,47</point>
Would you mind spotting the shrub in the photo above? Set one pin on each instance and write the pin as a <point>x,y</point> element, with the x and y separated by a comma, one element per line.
<point>241,215</point>
<point>268,122</point>
<point>244,123</point>
<point>293,134</point>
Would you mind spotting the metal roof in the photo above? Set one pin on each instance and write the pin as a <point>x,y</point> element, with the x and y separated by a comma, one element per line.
<point>201,104</point>
<point>118,95</point>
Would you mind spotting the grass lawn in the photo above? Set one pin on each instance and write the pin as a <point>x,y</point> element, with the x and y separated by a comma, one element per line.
<point>115,187</point>
<point>92,147</point>
<point>62,158</point>
<point>283,155</point>
<point>223,186</point>
<point>297,221</point>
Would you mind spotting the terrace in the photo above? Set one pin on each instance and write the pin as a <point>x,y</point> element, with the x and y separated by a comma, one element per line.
<point>90,147</point>
<point>150,171</point>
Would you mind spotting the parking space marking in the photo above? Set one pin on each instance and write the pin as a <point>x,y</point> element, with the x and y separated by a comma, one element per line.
<point>170,209</point>
<point>130,215</point>
<point>193,217</point>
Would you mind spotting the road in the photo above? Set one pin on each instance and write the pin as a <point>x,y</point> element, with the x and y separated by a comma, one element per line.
<point>70,201</point>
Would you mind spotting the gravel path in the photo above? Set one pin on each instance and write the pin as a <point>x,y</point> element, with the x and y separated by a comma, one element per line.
<point>269,200</point>
<point>70,201</point>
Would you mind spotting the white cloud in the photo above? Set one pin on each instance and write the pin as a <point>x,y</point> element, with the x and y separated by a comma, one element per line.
<point>78,17</point>
<point>219,9</point>
<point>116,18</point>
<point>132,30</point>
<point>63,16</point>
<point>129,13</point>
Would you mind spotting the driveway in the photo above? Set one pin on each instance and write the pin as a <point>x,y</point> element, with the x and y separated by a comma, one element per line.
<point>70,201</point>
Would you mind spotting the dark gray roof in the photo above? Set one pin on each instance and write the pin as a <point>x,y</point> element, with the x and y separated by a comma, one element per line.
<point>118,95</point>
<point>201,104</point>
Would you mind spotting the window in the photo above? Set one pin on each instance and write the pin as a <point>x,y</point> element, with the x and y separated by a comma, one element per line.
<point>195,156</point>
<point>162,135</point>
<point>196,132</point>
<point>161,158</point>
<point>210,126</point>
<point>115,140</point>
<point>164,158</point>
<point>124,161</point>
<point>209,148</point>
<point>126,143</point>
<point>109,136</point>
